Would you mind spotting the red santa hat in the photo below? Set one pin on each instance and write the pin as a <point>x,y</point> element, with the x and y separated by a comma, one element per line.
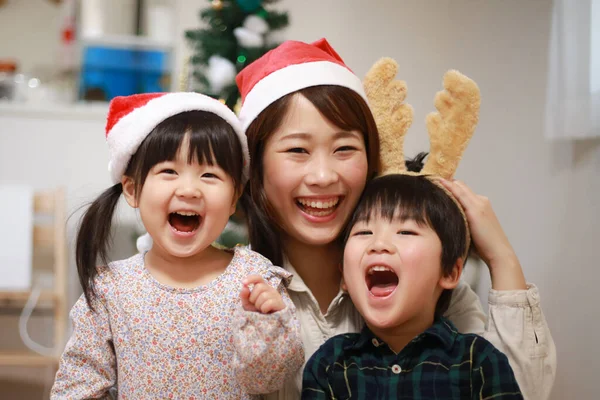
<point>290,67</point>
<point>132,118</point>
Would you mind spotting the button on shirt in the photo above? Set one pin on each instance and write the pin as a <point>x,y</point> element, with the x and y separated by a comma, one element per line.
<point>438,364</point>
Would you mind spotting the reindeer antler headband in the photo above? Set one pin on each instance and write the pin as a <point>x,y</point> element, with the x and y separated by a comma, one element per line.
<point>450,128</point>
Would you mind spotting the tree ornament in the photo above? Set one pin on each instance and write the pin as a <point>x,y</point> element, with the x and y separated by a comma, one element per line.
<point>247,38</point>
<point>249,5</point>
<point>256,24</point>
<point>220,73</point>
<point>217,5</point>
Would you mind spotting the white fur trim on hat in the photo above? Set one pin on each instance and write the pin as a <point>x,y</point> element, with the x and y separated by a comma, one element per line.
<point>292,78</point>
<point>130,131</point>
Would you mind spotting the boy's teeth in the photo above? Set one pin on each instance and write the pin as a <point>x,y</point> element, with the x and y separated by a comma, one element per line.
<point>378,268</point>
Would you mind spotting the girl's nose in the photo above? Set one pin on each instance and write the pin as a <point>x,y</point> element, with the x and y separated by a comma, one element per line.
<point>188,188</point>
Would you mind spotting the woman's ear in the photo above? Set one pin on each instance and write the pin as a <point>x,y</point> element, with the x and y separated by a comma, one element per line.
<point>129,191</point>
<point>236,199</point>
<point>450,281</point>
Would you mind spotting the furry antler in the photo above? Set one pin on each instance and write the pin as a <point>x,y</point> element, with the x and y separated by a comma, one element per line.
<point>451,128</point>
<point>393,117</point>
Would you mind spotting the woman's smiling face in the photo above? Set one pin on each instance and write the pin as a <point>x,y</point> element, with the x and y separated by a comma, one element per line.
<point>314,174</point>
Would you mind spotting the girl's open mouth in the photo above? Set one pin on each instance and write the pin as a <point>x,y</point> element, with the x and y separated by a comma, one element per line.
<point>184,221</point>
<point>381,280</point>
<point>318,208</point>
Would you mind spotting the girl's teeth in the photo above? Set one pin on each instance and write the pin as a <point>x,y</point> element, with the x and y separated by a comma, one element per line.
<point>186,213</point>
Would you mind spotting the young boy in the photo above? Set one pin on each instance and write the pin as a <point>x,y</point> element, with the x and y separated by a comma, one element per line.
<point>405,248</point>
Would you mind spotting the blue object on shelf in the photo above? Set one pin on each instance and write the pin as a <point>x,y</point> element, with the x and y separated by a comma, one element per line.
<point>111,72</point>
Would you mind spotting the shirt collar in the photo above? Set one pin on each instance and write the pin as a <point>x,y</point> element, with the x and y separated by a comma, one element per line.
<point>296,283</point>
<point>442,330</point>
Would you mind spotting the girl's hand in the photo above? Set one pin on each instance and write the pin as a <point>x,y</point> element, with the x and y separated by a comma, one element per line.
<point>489,239</point>
<point>262,298</point>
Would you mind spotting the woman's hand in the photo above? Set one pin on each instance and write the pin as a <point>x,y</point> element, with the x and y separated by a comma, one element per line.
<point>489,239</point>
<point>262,298</point>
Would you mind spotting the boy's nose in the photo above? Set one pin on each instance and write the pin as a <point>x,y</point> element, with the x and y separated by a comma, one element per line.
<point>381,245</point>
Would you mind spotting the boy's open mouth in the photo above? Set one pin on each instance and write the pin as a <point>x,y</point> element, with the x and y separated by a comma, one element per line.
<point>184,221</point>
<point>318,208</point>
<point>381,280</point>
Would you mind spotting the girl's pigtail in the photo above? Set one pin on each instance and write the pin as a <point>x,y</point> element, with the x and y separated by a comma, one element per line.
<point>94,239</point>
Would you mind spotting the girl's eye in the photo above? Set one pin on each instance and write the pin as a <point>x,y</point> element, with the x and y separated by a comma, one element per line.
<point>209,175</point>
<point>362,233</point>
<point>296,150</point>
<point>168,171</point>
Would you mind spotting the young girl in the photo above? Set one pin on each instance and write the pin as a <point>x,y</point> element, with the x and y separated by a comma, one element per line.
<point>313,144</point>
<point>169,323</point>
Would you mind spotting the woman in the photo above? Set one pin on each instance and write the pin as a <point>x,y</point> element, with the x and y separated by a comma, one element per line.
<point>313,145</point>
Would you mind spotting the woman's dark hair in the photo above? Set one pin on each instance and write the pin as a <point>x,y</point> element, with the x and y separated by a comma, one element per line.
<point>345,109</point>
<point>410,197</point>
<point>211,141</point>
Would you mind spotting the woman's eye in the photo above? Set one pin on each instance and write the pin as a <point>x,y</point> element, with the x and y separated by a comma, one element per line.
<point>346,148</point>
<point>296,150</point>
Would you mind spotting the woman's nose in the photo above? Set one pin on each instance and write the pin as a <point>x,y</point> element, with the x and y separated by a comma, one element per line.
<point>322,171</point>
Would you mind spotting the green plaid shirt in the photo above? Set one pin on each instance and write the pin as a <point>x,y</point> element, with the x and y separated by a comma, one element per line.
<point>440,363</point>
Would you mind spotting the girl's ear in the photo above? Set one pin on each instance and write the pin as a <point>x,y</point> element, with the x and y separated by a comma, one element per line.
<point>129,191</point>
<point>451,280</point>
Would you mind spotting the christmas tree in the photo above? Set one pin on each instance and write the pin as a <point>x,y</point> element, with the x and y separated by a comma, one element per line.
<point>238,32</point>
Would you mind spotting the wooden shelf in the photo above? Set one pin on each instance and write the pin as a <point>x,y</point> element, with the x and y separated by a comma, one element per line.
<point>24,358</point>
<point>17,299</point>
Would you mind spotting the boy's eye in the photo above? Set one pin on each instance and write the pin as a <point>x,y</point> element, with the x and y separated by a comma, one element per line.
<point>296,150</point>
<point>405,232</point>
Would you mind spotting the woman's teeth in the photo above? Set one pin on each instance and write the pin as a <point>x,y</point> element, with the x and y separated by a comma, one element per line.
<point>318,208</point>
<point>319,203</point>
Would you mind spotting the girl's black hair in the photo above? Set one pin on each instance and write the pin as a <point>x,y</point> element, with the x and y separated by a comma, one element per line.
<point>416,198</point>
<point>211,141</point>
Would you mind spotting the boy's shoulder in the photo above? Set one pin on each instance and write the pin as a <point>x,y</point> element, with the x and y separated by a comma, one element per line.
<point>467,345</point>
<point>335,347</point>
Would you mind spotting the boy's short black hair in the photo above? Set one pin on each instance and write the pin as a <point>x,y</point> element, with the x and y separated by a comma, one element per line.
<point>416,198</point>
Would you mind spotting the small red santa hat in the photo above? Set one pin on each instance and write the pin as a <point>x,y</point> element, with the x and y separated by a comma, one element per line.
<point>290,67</point>
<point>132,118</point>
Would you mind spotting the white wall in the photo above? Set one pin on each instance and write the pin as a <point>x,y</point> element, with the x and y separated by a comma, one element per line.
<point>547,194</point>
<point>29,32</point>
